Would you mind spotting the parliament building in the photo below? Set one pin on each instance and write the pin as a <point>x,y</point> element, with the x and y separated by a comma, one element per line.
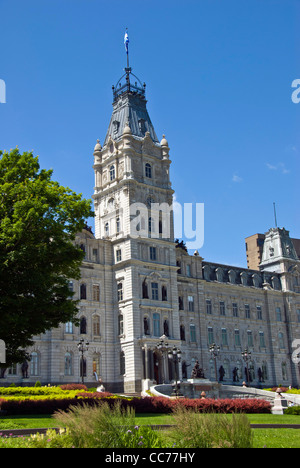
<point>140,286</point>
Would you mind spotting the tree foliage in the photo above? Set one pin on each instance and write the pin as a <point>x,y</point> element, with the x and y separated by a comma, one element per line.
<point>38,222</point>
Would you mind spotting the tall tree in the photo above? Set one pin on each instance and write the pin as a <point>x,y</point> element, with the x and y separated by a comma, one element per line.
<point>38,222</point>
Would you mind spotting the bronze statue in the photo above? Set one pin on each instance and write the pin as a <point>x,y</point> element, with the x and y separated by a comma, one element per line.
<point>197,372</point>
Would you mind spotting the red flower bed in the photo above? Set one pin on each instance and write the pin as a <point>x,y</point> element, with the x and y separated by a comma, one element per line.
<point>141,405</point>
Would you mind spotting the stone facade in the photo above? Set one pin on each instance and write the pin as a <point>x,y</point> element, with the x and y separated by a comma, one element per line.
<point>138,284</point>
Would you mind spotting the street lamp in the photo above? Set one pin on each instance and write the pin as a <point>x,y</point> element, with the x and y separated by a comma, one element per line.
<point>163,347</point>
<point>82,347</point>
<point>214,351</point>
<point>247,356</point>
<point>174,356</point>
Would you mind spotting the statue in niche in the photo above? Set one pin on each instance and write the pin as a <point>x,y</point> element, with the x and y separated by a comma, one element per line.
<point>166,328</point>
<point>145,289</point>
<point>235,374</point>
<point>146,326</point>
<point>24,369</point>
<point>221,373</point>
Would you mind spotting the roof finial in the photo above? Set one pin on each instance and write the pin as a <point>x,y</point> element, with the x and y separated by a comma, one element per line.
<point>275,214</point>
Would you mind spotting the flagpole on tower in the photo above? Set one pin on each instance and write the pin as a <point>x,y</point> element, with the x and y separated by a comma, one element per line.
<point>126,42</point>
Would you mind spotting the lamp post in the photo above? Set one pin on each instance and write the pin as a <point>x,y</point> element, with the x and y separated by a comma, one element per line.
<point>214,351</point>
<point>82,347</point>
<point>174,356</point>
<point>247,356</point>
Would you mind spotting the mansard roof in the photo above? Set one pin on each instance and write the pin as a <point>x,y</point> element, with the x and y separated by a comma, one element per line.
<point>129,108</point>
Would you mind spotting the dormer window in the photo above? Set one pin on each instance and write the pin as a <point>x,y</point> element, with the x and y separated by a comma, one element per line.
<point>116,125</point>
<point>142,126</point>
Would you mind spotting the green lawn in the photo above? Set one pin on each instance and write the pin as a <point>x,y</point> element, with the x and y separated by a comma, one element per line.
<point>269,438</point>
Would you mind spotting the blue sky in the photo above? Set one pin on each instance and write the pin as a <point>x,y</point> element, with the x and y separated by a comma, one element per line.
<point>218,75</point>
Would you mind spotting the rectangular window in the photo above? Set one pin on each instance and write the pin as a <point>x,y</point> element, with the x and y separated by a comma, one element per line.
<point>191,303</point>
<point>120,292</point>
<point>210,334</point>
<point>188,270</point>
<point>153,253</point>
<point>222,308</point>
<point>118,255</point>
<point>224,337</point>
<point>262,343</point>
<point>156,324</point>
<point>208,307</point>
<point>69,327</point>
<point>298,315</point>
<point>235,312</point>
<point>121,325</point>
<point>95,255</point>
<point>237,339</point>
<point>278,314</point>
<point>259,312</point>
<point>180,303</point>
<point>193,333</point>
<point>154,290</point>
<point>247,311</point>
<point>96,292</point>
<point>250,338</point>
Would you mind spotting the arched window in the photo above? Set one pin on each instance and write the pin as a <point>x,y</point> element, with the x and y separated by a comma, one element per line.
<point>106,229</point>
<point>83,327</point>
<point>96,364</point>
<point>151,226</point>
<point>34,364</point>
<point>118,225</point>
<point>83,291</point>
<point>96,325</point>
<point>182,332</point>
<point>148,170</point>
<point>112,173</point>
<point>122,363</point>
<point>68,364</point>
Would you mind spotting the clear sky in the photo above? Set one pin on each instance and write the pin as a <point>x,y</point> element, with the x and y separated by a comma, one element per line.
<point>218,75</point>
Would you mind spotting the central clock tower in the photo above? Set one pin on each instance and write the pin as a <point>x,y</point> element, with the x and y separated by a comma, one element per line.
<point>133,207</point>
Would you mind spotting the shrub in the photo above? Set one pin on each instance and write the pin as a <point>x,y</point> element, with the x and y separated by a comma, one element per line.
<point>295,410</point>
<point>74,386</point>
<point>194,430</point>
<point>62,400</point>
<point>102,426</point>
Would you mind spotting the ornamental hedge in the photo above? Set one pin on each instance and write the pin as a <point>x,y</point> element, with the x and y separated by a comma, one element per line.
<point>140,405</point>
